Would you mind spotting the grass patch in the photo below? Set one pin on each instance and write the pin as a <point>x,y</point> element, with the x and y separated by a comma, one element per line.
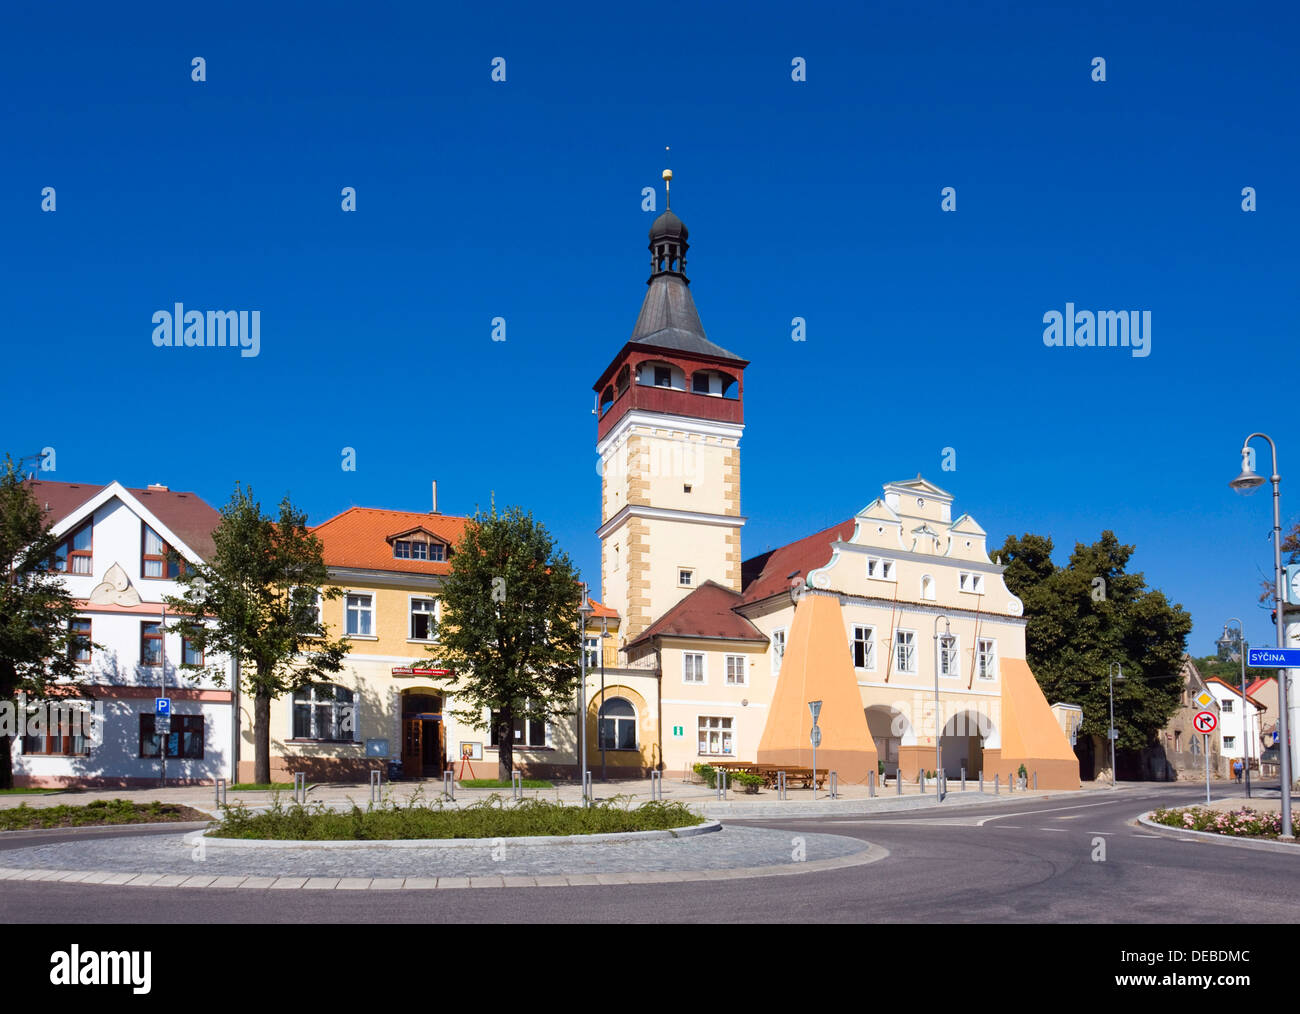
<point>28,792</point>
<point>496,783</point>
<point>490,818</point>
<point>99,813</point>
<point>259,786</point>
<point>1242,823</point>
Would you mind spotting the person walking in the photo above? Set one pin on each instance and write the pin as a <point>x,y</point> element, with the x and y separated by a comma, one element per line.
<point>1236,770</point>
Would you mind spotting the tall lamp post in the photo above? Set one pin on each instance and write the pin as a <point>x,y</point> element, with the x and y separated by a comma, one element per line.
<point>1247,482</point>
<point>938,731</point>
<point>1226,643</point>
<point>584,611</point>
<point>1115,671</point>
<point>600,731</point>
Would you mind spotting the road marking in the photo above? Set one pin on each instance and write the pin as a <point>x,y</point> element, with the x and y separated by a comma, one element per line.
<point>1154,836</point>
<point>1073,816</point>
<point>1059,830</point>
<point>1035,813</point>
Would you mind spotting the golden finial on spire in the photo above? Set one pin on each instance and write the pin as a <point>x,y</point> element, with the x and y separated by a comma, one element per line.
<point>668,182</point>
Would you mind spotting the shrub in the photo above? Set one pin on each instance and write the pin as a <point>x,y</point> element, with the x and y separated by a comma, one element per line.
<point>747,780</point>
<point>1243,823</point>
<point>709,773</point>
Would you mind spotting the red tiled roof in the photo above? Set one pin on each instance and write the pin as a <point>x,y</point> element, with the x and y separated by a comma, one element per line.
<point>769,574</point>
<point>708,611</point>
<point>357,538</point>
<point>1235,690</point>
<point>601,610</point>
<point>1260,684</point>
<point>186,514</point>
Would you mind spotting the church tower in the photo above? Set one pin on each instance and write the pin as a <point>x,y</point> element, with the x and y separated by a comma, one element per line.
<point>670,411</point>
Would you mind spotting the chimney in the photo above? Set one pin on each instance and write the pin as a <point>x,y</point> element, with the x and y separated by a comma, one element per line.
<point>155,487</point>
<point>434,508</point>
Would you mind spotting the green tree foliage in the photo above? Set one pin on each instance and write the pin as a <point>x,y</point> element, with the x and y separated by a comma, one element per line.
<point>509,626</point>
<point>259,595</point>
<point>1088,614</point>
<point>36,610</point>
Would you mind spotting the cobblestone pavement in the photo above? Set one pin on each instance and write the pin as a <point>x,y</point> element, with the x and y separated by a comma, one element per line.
<point>734,849</point>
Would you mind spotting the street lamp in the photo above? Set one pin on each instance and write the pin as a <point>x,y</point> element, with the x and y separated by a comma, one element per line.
<point>1226,643</point>
<point>600,730</point>
<point>584,610</point>
<point>1246,482</point>
<point>1114,668</point>
<point>938,732</point>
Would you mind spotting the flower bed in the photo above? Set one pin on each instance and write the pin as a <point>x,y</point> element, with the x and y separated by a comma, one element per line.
<point>1242,823</point>
<point>99,813</point>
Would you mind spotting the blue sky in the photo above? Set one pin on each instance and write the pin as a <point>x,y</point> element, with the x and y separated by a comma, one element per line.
<point>522,200</point>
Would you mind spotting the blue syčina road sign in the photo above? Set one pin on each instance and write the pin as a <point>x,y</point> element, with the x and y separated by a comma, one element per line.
<point>162,705</point>
<point>1273,658</point>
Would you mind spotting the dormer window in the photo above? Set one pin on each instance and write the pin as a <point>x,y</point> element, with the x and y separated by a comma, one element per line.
<point>157,559</point>
<point>419,547</point>
<point>74,555</point>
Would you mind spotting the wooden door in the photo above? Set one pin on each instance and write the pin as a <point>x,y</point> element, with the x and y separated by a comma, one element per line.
<point>412,748</point>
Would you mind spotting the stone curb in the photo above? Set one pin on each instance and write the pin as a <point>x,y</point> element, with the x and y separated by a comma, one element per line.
<point>871,854</point>
<point>1258,844</point>
<point>222,844</point>
<point>880,804</point>
<point>43,832</point>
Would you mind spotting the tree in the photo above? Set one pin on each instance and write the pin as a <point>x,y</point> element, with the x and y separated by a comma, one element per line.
<point>1089,614</point>
<point>259,595</point>
<point>36,610</point>
<point>509,627</point>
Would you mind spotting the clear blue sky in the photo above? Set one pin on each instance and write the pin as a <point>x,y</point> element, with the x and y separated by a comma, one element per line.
<point>522,200</point>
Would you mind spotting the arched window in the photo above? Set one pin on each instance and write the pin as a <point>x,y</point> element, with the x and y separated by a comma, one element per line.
<point>617,725</point>
<point>324,711</point>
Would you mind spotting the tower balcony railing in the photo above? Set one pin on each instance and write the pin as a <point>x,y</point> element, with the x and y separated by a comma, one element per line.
<point>671,401</point>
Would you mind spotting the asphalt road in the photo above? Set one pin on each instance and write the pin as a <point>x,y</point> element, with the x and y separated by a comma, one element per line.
<point>1012,862</point>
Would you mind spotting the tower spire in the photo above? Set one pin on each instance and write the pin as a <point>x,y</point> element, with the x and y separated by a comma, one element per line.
<point>668,181</point>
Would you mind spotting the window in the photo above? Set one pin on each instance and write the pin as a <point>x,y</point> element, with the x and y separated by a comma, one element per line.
<point>949,656</point>
<point>1229,742</point>
<point>184,741</point>
<point>306,603</point>
<point>418,549</point>
<point>424,615</point>
<point>157,559</point>
<point>67,731</point>
<point>927,587</point>
<point>880,569</point>
<point>700,383</point>
<point>74,554</point>
<point>592,647</point>
<point>151,644</point>
<point>970,582</point>
<point>324,711</point>
<point>191,654</point>
<point>685,577</point>
<point>527,732</point>
<point>778,650</point>
<point>360,615</point>
<point>905,650</point>
<point>79,640</point>
<point>986,658</point>
<point>864,647</point>
<point>686,487</point>
<point>615,558</point>
<point>692,667</point>
<point>716,736</point>
<point>663,376</point>
<point>736,671</point>
<point>617,725</point>
<point>1226,707</point>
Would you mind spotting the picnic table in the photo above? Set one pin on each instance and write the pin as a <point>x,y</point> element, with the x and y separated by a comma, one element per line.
<point>768,772</point>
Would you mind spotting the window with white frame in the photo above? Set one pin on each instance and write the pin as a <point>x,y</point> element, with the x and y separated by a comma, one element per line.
<point>424,616</point>
<point>685,577</point>
<point>360,615</point>
<point>736,671</point>
<point>864,647</point>
<point>778,650</point>
<point>527,732</point>
<point>986,658</point>
<point>591,645</point>
<point>1226,707</point>
<point>880,568</point>
<point>905,650</point>
<point>617,725</point>
<point>949,656</point>
<point>1229,742</point>
<point>716,736</point>
<point>324,712</point>
<point>692,667</point>
<point>969,581</point>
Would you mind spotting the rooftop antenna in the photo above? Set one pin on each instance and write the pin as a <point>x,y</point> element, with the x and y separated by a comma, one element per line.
<point>668,182</point>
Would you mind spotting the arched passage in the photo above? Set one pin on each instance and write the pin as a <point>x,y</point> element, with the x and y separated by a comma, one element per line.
<point>890,729</point>
<point>965,735</point>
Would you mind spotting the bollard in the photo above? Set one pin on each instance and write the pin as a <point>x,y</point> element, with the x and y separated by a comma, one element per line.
<point>963,779</point>
<point>898,781</point>
<point>871,784</point>
<point>780,785</point>
<point>1035,781</point>
<point>720,782</point>
<point>686,775</point>
<point>300,787</point>
<point>835,784</point>
<point>449,785</point>
<point>981,779</point>
<point>920,780</point>
<point>376,785</point>
<point>1011,783</point>
<point>517,784</point>
<point>997,787</point>
<point>586,789</point>
<point>656,785</point>
<point>221,791</point>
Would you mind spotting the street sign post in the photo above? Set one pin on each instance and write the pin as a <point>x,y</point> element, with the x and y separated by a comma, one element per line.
<point>1204,722</point>
<point>162,705</point>
<point>815,737</point>
<point>1273,658</point>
